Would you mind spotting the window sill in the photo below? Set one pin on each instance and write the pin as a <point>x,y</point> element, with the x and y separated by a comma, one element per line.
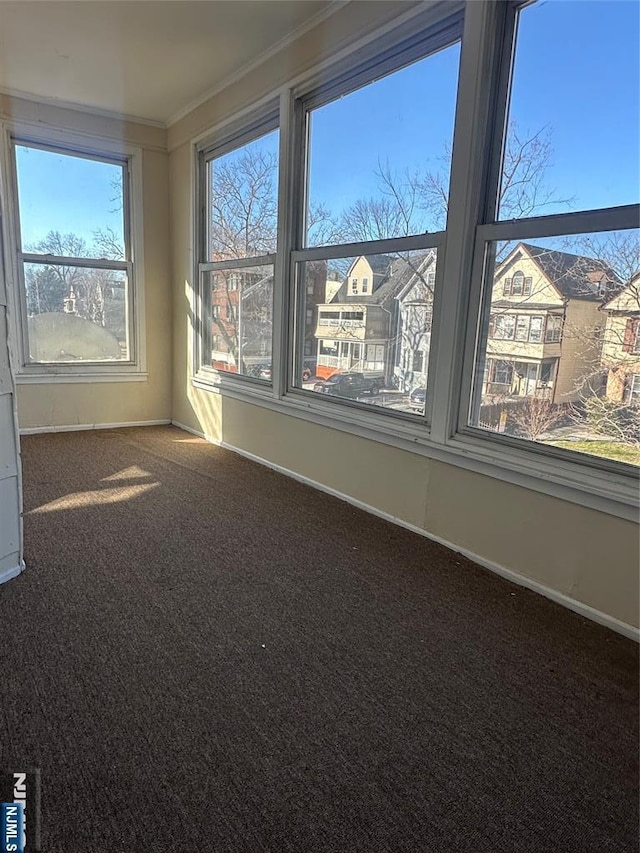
<point>614,492</point>
<point>71,378</point>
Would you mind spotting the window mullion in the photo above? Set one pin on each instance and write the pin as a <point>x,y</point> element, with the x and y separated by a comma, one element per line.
<point>282,301</point>
<point>482,97</point>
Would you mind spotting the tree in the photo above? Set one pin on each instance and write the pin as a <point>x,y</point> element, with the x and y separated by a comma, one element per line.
<point>535,417</point>
<point>97,295</point>
<point>604,406</point>
<point>524,189</point>
<point>244,205</point>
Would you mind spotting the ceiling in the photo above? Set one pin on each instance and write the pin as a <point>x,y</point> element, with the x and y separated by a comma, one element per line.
<point>141,58</point>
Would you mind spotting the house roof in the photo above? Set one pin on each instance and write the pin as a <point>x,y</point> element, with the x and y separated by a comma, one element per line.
<point>626,300</point>
<point>575,276</point>
<point>390,274</point>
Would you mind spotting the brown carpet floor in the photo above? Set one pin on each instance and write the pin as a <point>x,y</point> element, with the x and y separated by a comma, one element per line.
<point>204,655</point>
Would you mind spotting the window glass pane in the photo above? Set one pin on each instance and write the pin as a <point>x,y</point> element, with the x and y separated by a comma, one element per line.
<point>574,122</point>
<point>569,381</point>
<point>242,204</point>
<point>369,345</point>
<point>76,314</point>
<point>70,206</point>
<point>240,320</point>
<point>379,157</point>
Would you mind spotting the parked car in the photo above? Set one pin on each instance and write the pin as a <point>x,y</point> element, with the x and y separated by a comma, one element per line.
<point>352,385</point>
<point>417,400</point>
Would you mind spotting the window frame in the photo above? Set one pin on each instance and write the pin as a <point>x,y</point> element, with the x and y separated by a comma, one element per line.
<point>442,434</point>
<point>225,139</point>
<point>129,157</point>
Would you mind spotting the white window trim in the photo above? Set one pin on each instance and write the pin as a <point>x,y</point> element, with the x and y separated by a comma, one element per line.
<point>605,485</point>
<point>133,370</point>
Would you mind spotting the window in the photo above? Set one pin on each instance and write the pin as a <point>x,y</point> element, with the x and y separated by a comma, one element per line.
<point>518,310</point>
<point>631,339</point>
<point>535,330</point>
<point>531,248</point>
<point>523,325</point>
<point>546,372</point>
<point>240,319</point>
<point>365,190</point>
<point>633,393</point>
<point>74,261</point>
<point>554,329</point>
<point>517,284</point>
<point>505,325</point>
<point>501,372</point>
<point>238,179</point>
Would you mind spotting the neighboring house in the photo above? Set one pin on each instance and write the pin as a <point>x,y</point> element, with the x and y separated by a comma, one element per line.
<point>621,344</point>
<point>545,328</point>
<point>356,330</point>
<point>414,317</point>
<point>315,284</point>
<point>241,317</point>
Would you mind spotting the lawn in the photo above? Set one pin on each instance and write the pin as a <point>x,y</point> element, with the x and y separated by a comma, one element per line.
<point>607,449</point>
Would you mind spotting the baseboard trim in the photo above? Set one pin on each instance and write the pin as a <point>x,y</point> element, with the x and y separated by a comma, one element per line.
<point>509,574</point>
<point>80,427</point>
<point>13,572</point>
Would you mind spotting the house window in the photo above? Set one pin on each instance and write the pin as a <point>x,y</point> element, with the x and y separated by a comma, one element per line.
<point>502,373</point>
<point>418,361</point>
<point>505,326</point>
<point>329,348</point>
<point>535,330</point>
<point>365,285</point>
<point>553,331</point>
<point>631,339</point>
<point>354,285</point>
<point>546,372</point>
<point>78,285</point>
<point>526,289</point>
<point>506,286</point>
<point>239,183</point>
<point>522,328</point>
<point>633,392</point>
<point>517,284</point>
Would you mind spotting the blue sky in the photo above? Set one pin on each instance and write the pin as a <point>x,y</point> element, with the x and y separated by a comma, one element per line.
<point>69,194</point>
<point>577,74</point>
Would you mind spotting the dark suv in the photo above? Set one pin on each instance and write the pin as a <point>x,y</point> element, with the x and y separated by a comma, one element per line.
<point>352,385</point>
